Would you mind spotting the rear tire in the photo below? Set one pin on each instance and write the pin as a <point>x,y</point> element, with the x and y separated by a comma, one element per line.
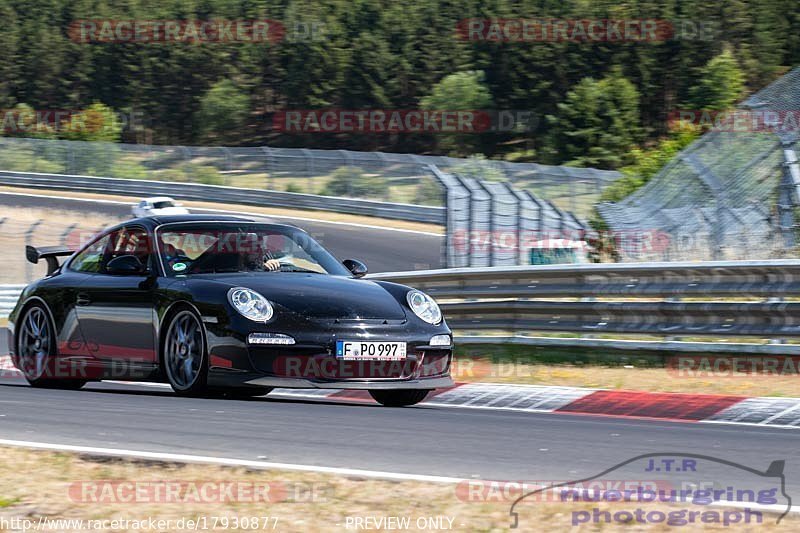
<point>36,349</point>
<point>184,355</point>
<point>399,398</point>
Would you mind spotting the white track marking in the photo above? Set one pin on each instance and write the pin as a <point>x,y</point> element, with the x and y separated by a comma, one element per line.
<point>58,197</point>
<point>462,397</point>
<point>225,211</point>
<point>791,409</point>
<point>222,461</point>
<point>761,411</point>
<point>332,222</point>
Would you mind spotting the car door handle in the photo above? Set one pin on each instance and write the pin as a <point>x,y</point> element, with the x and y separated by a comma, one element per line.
<point>83,299</point>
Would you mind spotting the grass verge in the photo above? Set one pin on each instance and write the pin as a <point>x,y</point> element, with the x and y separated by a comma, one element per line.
<point>532,365</point>
<point>59,486</point>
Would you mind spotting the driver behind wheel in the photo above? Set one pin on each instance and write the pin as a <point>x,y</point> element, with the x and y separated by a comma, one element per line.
<point>171,254</point>
<point>257,257</point>
<point>262,255</point>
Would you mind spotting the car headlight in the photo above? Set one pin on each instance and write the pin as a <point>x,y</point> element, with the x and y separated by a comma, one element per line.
<point>424,307</point>
<point>250,304</point>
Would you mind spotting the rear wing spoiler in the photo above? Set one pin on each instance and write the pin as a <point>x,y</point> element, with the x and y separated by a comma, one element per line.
<point>49,254</point>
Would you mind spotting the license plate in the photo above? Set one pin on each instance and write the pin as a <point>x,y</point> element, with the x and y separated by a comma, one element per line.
<point>367,350</point>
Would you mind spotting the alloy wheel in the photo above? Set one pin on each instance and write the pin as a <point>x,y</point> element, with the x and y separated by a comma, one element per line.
<point>183,350</point>
<point>34,343</point>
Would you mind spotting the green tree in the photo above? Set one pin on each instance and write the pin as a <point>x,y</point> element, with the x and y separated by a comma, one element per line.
<point>368,73</point>
<point>462,91</point>
<point>721,83</point>
<point>9,62</point>
<point>98,122</point>
<point>598,123</point>
<point>223,110</point>
<point>393,55</point>
<point>22,121</point>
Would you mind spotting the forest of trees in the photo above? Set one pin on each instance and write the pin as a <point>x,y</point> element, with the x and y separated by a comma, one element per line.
<point>601,104</point>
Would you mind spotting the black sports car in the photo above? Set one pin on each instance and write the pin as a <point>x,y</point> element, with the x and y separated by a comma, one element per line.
<point>214,304</point>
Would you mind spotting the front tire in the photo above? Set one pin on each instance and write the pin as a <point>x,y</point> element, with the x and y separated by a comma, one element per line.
<point>36,349</point>
<point>398,398</point>
<point>184,354</point>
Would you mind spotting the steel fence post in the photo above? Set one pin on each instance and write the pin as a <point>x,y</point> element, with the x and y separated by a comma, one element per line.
<point>270,179</point>
<point>789,196</point>
<point>62,240</point>
<point>228,164</point>
<point>348,163</point>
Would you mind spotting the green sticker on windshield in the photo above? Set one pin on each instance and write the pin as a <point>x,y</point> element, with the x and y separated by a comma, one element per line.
<point>179,267</point>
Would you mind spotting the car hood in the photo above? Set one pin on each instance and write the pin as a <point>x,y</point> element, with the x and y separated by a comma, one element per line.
<point>319,295</point>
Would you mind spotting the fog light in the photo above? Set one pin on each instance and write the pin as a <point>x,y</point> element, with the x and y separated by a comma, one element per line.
<point>440,340</point>
<point>269,338</point>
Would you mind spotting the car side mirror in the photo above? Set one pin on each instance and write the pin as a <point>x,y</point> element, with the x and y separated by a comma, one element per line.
<point>356,267</point>
<point>125,265</point>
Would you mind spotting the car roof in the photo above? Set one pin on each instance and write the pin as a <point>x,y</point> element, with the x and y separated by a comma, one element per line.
<point>158,199</point>
<point>196,217</point>
<point>156,220</point>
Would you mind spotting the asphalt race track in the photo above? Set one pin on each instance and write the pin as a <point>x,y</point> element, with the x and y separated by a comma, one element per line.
<point>461,443</point>
<point>424,440</point>
<point>382,250</point>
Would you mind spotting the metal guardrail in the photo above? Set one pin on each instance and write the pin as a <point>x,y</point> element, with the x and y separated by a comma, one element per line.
<point>663,347</point>
<point>525,299</point>
<point>9,294</point>
<point>564,298</point>
<point>220,193</point>
<point>653,318</point>
<point>773,278</point>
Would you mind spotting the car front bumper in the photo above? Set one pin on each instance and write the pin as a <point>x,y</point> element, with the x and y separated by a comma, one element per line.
<point>312,363</point>
<point>440,382</point>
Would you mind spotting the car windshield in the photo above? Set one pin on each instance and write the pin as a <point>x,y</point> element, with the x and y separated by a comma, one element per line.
<point>163,204</point>
<point>210,248</point>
